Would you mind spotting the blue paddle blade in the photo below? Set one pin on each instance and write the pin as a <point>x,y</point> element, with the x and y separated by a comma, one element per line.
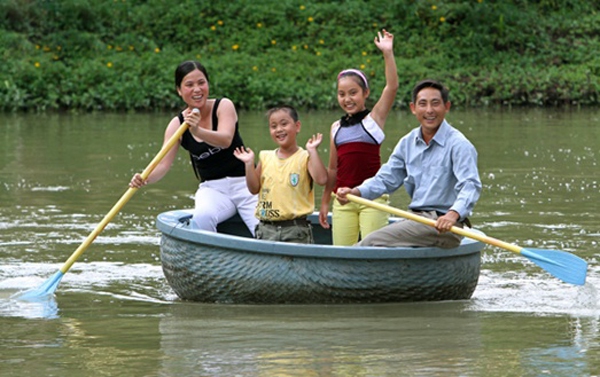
<point>565,266</point>
<point>41,292</point>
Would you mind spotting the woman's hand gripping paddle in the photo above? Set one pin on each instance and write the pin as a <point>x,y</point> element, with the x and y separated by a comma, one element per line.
<point>50,285</point>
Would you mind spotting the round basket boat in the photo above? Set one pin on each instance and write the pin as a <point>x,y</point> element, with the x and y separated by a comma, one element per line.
<point>231,267</point>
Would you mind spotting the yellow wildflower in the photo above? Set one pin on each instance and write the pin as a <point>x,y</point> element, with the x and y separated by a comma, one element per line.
<point>37,64</point>
<point>433,7</point>
<point>235,47</point>
<point>442,19</point>
<point>109,65</point>
<point>310,19</point>
<point>302,7</point>
<point>157,50</point>
<point>220,23</point>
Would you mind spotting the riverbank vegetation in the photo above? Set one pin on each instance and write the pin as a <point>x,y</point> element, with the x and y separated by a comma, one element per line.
<point>120,55</point>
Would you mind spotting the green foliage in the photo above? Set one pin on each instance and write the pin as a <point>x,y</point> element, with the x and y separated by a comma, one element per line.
<point>120,55</point>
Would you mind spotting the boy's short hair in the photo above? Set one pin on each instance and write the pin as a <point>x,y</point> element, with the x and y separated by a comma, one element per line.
<point>287,108</point>
<point>430,83</point>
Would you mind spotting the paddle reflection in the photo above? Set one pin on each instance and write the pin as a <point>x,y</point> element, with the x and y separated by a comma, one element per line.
<point>43,307</point>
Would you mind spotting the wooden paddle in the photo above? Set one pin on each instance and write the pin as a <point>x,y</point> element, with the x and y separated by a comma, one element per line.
<point>563,265</point>
<point>50,285</point>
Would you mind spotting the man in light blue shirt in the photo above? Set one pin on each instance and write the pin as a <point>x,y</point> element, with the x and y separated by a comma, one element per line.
<point>437,165</point>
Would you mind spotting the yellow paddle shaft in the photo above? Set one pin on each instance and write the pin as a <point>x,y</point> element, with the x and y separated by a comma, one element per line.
<point>125,198</point>
<point>423,220</point>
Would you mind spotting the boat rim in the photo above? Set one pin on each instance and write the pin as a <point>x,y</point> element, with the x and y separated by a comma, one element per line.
<point>170,224</point>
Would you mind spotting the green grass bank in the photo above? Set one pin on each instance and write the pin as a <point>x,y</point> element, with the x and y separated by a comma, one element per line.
<point>120,55</point>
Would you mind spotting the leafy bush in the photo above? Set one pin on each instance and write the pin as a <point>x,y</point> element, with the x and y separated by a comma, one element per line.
<point>119,55</point>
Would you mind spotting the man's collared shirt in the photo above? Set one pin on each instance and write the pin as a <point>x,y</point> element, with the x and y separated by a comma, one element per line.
<point>441,176</point>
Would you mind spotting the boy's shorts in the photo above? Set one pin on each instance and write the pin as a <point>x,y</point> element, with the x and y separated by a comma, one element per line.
<point>297,230</point>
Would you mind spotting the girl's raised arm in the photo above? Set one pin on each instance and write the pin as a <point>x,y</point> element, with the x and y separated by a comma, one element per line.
<point>385,42</point>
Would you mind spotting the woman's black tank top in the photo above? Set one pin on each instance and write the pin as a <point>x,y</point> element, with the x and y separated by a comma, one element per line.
<point>210,162</point>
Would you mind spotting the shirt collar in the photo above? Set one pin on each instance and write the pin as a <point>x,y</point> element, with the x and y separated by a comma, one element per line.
<point>440,136</point>
<point>350,120</point>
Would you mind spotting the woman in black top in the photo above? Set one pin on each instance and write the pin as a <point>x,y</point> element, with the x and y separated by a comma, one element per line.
<point>211,139</point>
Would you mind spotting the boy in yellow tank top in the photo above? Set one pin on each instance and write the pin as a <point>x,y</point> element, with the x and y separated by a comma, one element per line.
<point>284,179</point>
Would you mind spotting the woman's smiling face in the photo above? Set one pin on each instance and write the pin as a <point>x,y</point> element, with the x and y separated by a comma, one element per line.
<point>194,89</point>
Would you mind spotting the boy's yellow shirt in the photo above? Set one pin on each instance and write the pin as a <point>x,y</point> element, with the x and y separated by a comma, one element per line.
<point>286,190</point>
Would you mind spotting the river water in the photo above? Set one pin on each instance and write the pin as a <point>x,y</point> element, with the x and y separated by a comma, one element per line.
<point>115,315</point>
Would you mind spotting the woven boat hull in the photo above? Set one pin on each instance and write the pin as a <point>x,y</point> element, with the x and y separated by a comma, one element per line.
<point>225,268</point>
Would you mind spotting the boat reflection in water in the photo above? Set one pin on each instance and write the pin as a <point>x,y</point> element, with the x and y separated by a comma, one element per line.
<point>319,340</point>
